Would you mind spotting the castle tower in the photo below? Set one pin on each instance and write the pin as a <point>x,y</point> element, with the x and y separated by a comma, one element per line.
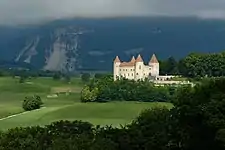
<point>116,68</point>
<point>154,64</point>
<point>139,67</point>
<point>133,60</point>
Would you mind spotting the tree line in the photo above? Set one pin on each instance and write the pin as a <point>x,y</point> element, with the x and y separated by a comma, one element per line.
<point>195,65</point>
<point>197,121</point>
<point>106,89</point>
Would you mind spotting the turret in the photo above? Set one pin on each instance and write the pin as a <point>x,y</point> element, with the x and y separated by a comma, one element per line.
<point>133,60</point>
<point>154,64</point>
<point>139,67</point>
<point>116,68</point>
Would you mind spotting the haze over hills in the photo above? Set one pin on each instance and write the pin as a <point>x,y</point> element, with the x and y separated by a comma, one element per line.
<point>93,43</point>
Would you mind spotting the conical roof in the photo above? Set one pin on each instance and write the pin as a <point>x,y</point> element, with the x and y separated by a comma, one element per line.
<point>154,59</point>
<point>132,60</point>
<point>117,59</point>
<point>139,58</point>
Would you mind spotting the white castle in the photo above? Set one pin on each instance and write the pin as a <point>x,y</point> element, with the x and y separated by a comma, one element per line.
<point>136,69</point>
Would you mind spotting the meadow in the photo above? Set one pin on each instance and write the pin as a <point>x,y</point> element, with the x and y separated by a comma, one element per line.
<point>63,107</point>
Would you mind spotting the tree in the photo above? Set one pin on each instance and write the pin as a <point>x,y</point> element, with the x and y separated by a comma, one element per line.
<point>67,78</point>
<point>89,95</point>
<point>200,114</point>
<point>220,137</point>
<point>85,77</point>
<point>23,78</point>
<point>32,103</point>
<point>57,76</point>
<point>99,75</point>
<point>150,129</point>
<point>170,66</point>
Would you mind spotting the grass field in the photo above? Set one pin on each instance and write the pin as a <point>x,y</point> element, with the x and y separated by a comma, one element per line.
<point>64,107</point>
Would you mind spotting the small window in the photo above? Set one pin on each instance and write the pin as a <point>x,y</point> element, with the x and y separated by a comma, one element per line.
<point>137,73</point>
<point>139,67</point>
<point>128,74</point>
<point>130,69</point>
<point>120,69</point>
<point>123,69</point>
<point>132,74</point>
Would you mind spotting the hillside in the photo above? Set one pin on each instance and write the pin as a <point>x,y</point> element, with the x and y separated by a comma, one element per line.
<point>93,43</point>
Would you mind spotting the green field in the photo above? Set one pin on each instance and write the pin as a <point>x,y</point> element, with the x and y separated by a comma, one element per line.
<point>64,107</point>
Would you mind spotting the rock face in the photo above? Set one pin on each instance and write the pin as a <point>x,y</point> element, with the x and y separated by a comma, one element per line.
<point>61,53</point>
<point>56,57</point>
<point>29,50</point>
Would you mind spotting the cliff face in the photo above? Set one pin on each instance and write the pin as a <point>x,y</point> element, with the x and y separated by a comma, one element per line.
<point>58,49</point>
<point>69,45</point>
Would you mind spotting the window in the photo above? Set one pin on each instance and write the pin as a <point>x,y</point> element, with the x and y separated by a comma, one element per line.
<point>132,74</point>
<point>139,67</point>
<point>137,73</point>
<point>120,69</point>
<point>126,69</point>
<point>128,74</point>
<point>130,69</point>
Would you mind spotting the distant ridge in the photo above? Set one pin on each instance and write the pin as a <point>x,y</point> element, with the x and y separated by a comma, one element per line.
<point>164,36</point>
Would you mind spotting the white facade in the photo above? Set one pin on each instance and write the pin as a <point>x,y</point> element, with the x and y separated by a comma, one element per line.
<point>135,69</point>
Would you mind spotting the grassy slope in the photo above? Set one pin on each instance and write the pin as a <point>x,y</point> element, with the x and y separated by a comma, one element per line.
<point>110,113</point>
<point>61,108</point>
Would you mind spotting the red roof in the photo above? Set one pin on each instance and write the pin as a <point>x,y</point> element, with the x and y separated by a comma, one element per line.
<point>139,58</point>
<point>154,59</point>
<point>133,60</point>
<point>117,59</point>
<point>127,64</point>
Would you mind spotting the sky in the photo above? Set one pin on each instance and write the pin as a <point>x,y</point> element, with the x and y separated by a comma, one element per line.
<point>28,11</point>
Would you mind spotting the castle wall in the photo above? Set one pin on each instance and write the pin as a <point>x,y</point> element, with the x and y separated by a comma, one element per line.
<point>127,72</point>
<point>147,71</point>
<point>139,70</point>
<point>116,69</point>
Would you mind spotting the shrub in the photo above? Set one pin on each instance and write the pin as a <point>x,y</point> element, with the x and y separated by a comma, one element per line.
<point>23,78</point>
<point>32,103</point>
<point>57,76</point>
<point>89,95</point>
<point>85,77</point>
<point>67,78</point>
<point>99,75</point>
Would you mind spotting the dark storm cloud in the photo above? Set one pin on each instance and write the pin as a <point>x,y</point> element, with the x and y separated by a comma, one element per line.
<point>28,11</point>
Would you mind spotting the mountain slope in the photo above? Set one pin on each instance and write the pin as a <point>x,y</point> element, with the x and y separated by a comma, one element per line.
<point>93,43</point>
